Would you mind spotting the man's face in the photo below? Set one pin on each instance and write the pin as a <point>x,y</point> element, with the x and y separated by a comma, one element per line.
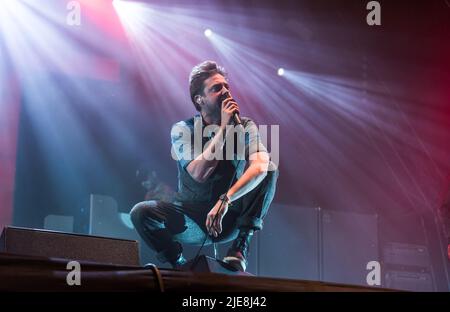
<point>211,103</point>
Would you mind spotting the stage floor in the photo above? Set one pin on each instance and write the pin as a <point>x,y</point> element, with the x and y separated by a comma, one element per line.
<point>30,273</point>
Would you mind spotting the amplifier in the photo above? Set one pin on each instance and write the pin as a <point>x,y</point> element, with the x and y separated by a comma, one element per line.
<point>412,281</point>
<point>406,255</point>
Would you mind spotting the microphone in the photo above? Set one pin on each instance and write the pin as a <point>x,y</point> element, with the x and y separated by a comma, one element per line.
<point>236,118</point>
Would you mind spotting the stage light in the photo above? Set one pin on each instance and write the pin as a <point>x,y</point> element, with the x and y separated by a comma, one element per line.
<point>208,32</point>
<point>129,9</point>
<point>280,71</point>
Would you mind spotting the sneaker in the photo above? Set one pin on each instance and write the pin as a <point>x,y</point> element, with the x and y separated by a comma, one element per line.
<point>237,255</point>
<point>236,261</point>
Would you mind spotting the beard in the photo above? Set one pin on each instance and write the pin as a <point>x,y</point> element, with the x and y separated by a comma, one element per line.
<point>213,109</point>
<point>216,108</point>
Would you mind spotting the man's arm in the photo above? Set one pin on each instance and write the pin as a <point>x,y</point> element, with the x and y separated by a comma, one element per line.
<point>252,176</point>
<point>204,164</point>
<point>257,166</point>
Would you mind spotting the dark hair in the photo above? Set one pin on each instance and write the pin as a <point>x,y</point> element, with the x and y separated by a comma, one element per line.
<point>199,74</point>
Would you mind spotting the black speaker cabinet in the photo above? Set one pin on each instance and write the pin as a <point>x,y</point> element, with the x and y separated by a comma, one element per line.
<point>349,242</point>
<point>36,242</point>
<point>288,243</point>
<point>317,244</point>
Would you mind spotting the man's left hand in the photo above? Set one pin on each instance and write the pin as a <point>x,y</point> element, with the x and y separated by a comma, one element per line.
<point>215,217</point>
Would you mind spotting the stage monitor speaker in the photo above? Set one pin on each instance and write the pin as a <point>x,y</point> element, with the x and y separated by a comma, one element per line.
<point>106,220</point>
<point>36,242</point>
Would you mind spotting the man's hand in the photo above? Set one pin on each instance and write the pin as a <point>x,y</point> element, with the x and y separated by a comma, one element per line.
<point>215,217</point>
<point>229,107</point>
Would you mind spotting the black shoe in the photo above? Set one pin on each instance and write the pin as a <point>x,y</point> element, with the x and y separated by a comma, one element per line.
<point>237,254</point>
<point>237,261</point>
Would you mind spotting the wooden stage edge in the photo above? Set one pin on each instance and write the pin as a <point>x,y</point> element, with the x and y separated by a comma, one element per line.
<point>30,273</point>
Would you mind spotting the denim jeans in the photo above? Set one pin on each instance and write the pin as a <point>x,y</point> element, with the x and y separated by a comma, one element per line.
<point>165,226</point>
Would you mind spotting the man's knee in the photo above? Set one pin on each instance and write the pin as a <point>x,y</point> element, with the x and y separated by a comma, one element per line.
<point>141,210</point>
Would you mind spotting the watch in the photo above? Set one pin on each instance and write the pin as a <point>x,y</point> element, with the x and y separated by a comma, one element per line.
<point>225,198</point>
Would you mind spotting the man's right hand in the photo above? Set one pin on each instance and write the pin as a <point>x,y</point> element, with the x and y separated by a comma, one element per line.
<point>229,107</point>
